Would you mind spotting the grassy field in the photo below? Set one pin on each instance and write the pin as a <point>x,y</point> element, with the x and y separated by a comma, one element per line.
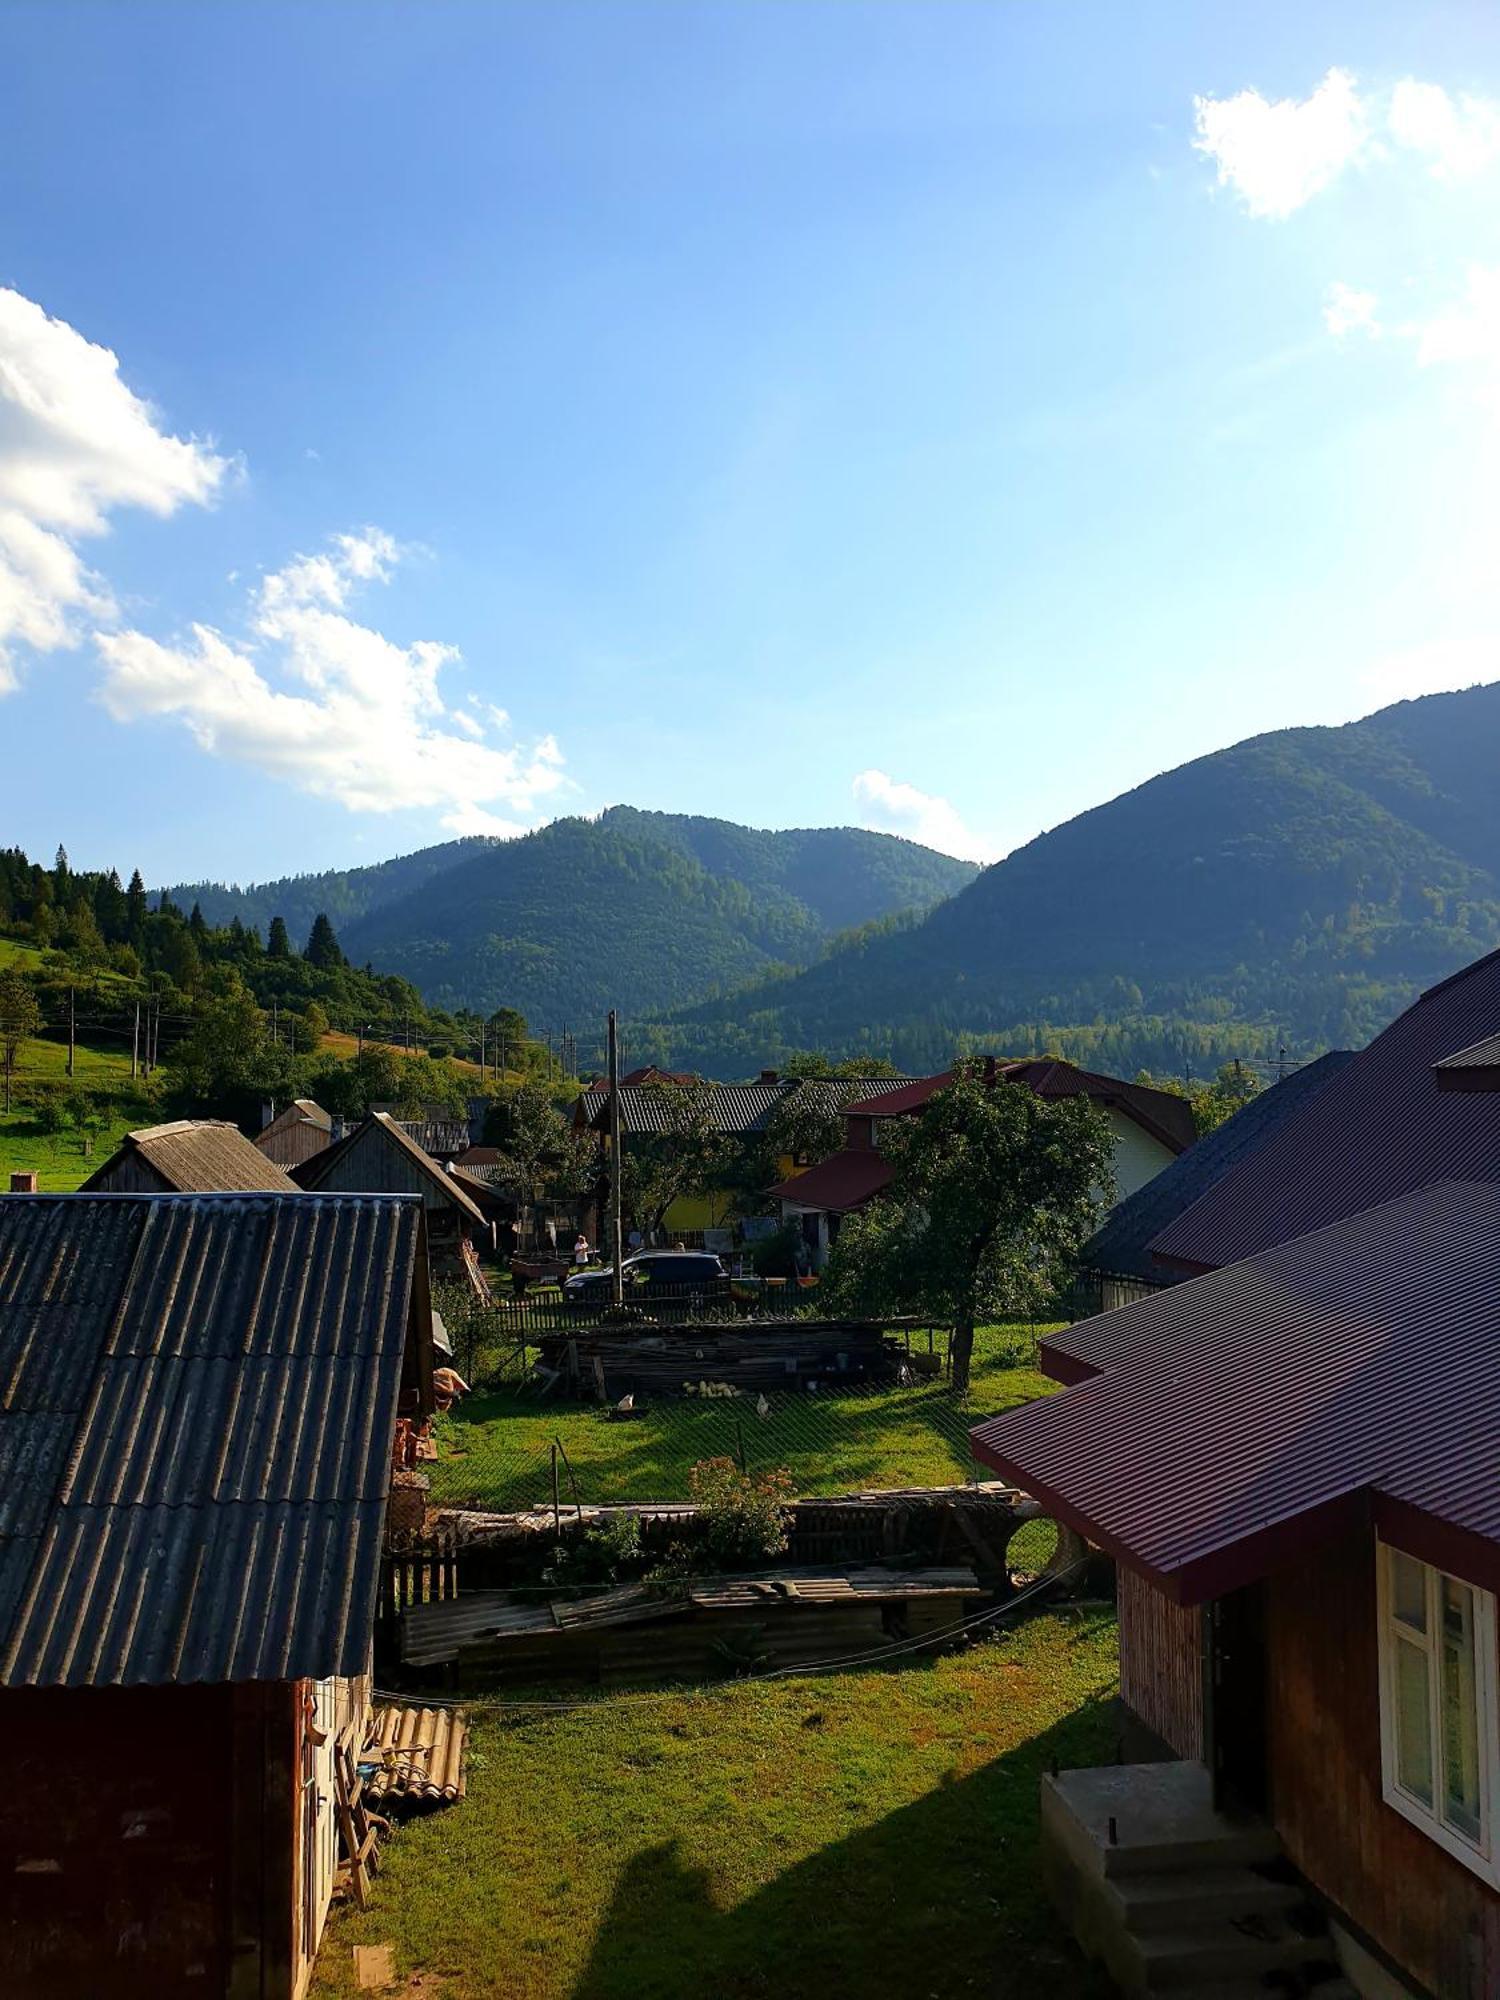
<point>844,1837</point>
<point>59,1157</point>
<point>496,1451</point>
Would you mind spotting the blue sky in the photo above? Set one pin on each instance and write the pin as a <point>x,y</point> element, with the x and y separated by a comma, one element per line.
<point>937,417</point>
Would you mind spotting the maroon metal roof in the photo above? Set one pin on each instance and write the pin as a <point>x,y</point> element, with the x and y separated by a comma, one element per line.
<point>1240,1415</point>
<point>1167,1117</point>
<point>843,1181</point>
<point>1473,1068</point>
<point>1378,1129</point>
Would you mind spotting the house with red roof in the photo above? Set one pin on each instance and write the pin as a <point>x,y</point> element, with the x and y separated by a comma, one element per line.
<point>1151,1128</point>
<point>1293,1455</point>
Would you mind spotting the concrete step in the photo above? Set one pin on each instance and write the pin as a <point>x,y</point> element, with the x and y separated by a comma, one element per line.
<point>1175,1902</point>
<point>1149,1819</point>
<point>1217,1953</point>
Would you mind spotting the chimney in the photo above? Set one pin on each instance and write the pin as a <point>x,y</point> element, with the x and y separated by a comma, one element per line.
<point>989,1072</point>
<point>770,1076</point>
<point>24,1183</point>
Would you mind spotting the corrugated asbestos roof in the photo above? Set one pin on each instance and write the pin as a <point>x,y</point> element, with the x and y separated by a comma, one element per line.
<point>197,1156</point>
<point>737,1108</point>
<point>438,1136</point>
<point>1377,1129</point>
<point>197,1404</point>
<point>1122,1246</point>
<point>1241,1413</point>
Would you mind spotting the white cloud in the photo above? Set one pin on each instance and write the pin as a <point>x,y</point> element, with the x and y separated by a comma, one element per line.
<point>894,807</point>
<point>1460,135</point>
<point>75,444</point>
<point>329,705</point>
<point>1278,155</point>
<point>1346,310</point>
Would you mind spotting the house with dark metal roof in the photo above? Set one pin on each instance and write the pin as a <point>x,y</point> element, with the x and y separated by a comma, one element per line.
<point>199,1404</point>
<point>1117,1263</point>
<point>1151,1128</point>
<point>294,1134</point>
<point>190,1156</point>
<point>380,1157</point>
<point>1294,1458</point>
<point>1386,1123</point>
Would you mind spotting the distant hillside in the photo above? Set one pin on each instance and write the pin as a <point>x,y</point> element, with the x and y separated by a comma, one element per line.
<point>647,911</point>
<point>1301,885</point>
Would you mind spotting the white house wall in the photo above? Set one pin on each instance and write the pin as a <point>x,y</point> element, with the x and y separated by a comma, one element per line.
<point>1138,1157</point>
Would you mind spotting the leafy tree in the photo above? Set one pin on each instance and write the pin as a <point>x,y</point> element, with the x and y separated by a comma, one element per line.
<point>312,1026</point>
<point>20,1020</point>
<point>993,1191</point>
<point>278,944</point>
<point>540,1153</point>
<point>86,1115</point>
<point>221,1063</point>
<point>1211,1103</point>
<point>323,950</point>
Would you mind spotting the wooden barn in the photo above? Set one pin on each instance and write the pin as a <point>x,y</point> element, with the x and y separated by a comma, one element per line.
<point>1296,1462</point>
<point>190,1156</point>
<point>379,1157</point>
<point>200,1402</point>
<point>293,1135</point>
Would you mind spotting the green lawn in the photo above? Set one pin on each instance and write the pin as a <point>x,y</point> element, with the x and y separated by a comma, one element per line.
<point>497,1450</point>
<point>846,1837</point>
<point>58,1158</point>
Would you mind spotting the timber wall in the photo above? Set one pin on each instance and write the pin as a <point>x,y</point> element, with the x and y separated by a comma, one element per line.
<point>1161,1663</point>
<point>1433,1917</point>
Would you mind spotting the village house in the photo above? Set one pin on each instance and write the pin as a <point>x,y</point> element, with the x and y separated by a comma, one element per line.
<point>196,1439</point>
<point>1294,1457</point>
<point>1118,1264</point>
<point>190,1156</point>
<point>294,1134</point>
<point>741,1112</point>
<point>1151,1128</point>
<point>380,1157</point>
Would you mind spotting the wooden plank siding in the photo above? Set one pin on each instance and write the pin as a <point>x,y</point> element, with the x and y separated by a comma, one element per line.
<point>1433,1916</point>
<point>1161,1663</point>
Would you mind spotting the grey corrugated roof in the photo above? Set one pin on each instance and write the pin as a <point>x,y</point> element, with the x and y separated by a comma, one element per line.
<point>197,1403</point>
<point>1380,1127</point>
<point>1122,1246</point>
<point>1242,1412</point>
<point>197,1156</point>
<point>735,1108</point>
<point>437,1136</point>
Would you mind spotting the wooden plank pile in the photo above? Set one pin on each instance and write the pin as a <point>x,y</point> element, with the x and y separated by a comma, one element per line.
<point>750,1356</point>
<point>698,1629</point>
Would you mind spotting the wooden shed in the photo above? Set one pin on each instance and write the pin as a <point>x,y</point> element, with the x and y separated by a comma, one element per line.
<point>195,1476</point>
<point>379,1157</point>
<point>189,1156</point>
<point>295,1133</point>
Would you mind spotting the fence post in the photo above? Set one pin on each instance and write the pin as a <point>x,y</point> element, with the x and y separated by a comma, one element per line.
<point>556,1506</point>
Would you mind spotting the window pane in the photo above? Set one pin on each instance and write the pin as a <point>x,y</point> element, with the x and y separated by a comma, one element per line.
<point>1409,1591</point>
<point>1413,1722</point>
<point>1461,1803</point>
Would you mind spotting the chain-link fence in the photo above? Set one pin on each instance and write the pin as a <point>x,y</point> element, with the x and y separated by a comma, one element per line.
<point>498,1449</point>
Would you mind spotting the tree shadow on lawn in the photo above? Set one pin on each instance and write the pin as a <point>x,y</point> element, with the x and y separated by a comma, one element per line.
<point>941,1898</point>
<point>829,1443</point>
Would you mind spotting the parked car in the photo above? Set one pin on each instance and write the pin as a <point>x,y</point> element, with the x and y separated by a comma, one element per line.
<point>682,1277</point>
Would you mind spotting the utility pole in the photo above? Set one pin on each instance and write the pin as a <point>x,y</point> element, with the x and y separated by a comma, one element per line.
<point>135,1043</point>
<point>359,1029</point>
<point>617,1240</point>
<point>72,1038</point>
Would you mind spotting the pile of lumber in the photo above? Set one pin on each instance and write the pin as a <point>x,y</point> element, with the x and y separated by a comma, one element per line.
<point>750,1356</point>
<point>701,1628</point>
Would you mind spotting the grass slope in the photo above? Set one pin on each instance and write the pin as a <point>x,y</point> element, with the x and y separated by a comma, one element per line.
<point>847,1837</point>
<point>496,1451</point>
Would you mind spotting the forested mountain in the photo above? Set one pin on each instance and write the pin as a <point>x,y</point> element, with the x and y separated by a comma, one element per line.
<point>647,911</point>
<point>1300,886</point>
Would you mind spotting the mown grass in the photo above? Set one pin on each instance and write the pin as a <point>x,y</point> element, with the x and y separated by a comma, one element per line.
<point>496,1451</point>
<point>849,1837</point>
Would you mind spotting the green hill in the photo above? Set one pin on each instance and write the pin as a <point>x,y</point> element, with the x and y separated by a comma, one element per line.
<point>1299,886</point>
<point>647,911</point>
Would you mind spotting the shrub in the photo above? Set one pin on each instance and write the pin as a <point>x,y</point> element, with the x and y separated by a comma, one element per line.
<point>741,1515</point>
<point>605,1553</point>
<point>775,1256</point>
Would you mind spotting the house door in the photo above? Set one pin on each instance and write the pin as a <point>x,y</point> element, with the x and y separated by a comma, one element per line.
<point>1235,1699</point>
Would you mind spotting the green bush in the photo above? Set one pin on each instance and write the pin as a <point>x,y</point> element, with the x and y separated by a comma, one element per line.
<point>742,1516</point>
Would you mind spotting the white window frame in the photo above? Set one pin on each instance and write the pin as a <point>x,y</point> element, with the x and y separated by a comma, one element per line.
<point>1481,1856</point>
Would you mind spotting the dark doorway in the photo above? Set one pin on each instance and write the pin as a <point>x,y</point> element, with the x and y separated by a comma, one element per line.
<point>1235,1673</point>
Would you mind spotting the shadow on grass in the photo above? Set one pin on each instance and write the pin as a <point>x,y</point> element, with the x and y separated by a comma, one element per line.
<point>941,1898</point>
